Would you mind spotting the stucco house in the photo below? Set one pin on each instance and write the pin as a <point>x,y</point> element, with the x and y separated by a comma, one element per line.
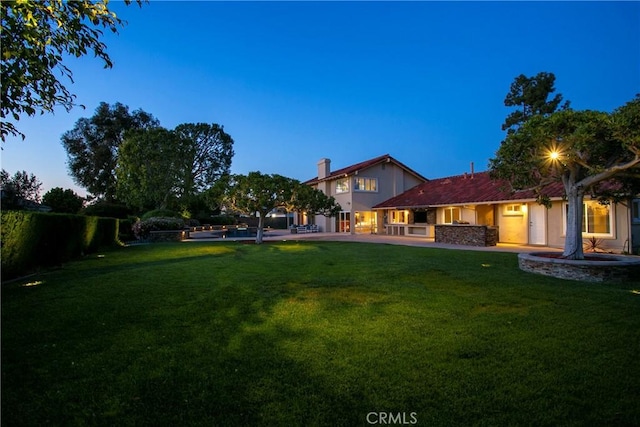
<point>359,187</point>
<point>474,198</point>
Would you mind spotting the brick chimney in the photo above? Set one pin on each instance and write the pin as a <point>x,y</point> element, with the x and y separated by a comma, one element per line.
<point>324,168</point>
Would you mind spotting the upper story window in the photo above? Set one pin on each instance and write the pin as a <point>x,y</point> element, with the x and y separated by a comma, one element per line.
<point>366,184</point>
<point>342,185</point>
<point>635,210</point>
<point>451,215</point>
<point>596,218</point>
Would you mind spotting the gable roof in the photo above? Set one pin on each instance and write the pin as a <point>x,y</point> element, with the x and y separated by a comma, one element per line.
<point>474,188</point>
<point>351,170</point>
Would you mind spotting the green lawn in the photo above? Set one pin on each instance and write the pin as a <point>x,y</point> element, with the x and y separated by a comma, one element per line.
<point>315,333</point>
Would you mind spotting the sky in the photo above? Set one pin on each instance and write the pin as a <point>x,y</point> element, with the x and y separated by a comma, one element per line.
<point>294,82</point>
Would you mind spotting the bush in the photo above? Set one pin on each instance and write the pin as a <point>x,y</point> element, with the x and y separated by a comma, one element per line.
<point>160,213</point>
<point>143,228</point>
<point>219,220</point>
<point>32,240</point>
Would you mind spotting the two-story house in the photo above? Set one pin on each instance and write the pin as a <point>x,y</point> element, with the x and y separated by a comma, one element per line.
<point>359,187</point>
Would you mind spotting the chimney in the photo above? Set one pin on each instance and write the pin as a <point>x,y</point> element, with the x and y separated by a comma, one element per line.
<point>324,168</point>
<point>471,170</point>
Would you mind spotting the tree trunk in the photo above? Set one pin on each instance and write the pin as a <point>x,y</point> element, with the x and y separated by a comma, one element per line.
<point>573,239</point>
<point>260,231</point>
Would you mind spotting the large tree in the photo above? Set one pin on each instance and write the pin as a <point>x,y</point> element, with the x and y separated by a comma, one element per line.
<point>590,152</point>
<point>35,38</point>
<point>258,193</point>
<point>93,143</point>
<point>150,169</point>
<point>531,97</point>
<point>207,154</point>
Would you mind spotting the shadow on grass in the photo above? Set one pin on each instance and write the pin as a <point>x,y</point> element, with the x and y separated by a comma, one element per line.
<point>205,361</point>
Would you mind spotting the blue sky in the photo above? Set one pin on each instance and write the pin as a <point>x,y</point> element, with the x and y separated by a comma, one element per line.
<point>294,82</point>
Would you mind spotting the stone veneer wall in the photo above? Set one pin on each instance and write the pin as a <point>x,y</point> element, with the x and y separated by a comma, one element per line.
<point>465,234</point>
<point>168,235</point>
<point>610,268</point>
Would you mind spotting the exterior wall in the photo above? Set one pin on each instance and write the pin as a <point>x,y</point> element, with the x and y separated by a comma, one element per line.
<point>391,181</point>
<point>620,233</point>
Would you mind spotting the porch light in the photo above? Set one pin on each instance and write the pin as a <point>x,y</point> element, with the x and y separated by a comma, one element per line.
<point>554,155</point>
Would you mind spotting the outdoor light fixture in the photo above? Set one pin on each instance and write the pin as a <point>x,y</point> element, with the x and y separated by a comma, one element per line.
<point>554,155</point>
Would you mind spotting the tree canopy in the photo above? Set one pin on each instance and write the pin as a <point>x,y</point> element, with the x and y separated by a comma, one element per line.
<point>258,193</point>
<point>530,96</point>
<point>92,146</point>
<point>63,201</point>
<point>589,152</point>
<point>35,37</point>
<point>149,169</point>
<point>19,190</point>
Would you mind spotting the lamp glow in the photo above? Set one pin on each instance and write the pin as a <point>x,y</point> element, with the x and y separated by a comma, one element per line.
<point>554,155</point>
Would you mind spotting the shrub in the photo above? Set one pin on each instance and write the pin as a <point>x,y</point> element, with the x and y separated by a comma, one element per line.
<point>160,213</point>
<point>31,240</point>
<point>143,228</point>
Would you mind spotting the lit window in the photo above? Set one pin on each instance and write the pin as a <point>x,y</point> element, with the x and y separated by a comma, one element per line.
<point>342,185</point>
<point>398,217</point>
<point>635,210</point>
<point>513,209</point>
<point>596,218</point>
<point>451,215</point>
<point>366,184</point>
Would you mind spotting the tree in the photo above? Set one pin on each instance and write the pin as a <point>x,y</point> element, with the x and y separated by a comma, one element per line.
<point>93,143</point>
<point>63,201</point>
<point>590,152</point>
<point>35,37</point>
<point>150,168</point>
<point>207,154</point>
<point>19,191</point>
<point>258,193</point>
<point>531,94</point>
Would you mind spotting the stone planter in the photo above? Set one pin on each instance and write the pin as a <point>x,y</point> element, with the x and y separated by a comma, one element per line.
<point>597,268</point>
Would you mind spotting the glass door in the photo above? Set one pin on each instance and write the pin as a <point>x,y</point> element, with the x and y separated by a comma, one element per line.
<point>345,222</point>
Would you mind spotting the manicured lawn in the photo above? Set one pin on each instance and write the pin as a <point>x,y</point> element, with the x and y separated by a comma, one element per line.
<point>315,333</point>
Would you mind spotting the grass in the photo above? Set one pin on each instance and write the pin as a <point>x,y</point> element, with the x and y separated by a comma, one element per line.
<point>315,333</point>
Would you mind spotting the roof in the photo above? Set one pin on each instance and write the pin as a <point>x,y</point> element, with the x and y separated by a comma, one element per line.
<point>474,188</point>
<point>351,170</point>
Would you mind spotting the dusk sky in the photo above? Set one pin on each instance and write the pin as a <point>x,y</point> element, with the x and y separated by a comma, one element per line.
<point>294,82</point>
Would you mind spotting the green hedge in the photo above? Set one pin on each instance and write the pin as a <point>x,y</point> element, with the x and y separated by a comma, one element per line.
<point>31,240</point>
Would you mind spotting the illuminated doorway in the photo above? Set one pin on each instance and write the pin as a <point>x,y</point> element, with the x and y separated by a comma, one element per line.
<point>366,222</point>
<point>344,222</point>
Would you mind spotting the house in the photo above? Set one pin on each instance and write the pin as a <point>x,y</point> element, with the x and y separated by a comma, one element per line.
<point>359,187</point>
<point>478,200</point>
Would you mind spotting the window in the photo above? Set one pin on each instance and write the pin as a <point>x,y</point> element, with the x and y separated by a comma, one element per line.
<point>451,215</point>
<point>342,185</point>
<point>366,184</point>
<point>513,209</point>
<point>635,211</point>
<point>398,217</point>
<point>596,218</point>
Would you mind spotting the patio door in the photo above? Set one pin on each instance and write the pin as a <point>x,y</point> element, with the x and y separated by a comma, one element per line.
<point>344,225</point>
<point>537,224</point>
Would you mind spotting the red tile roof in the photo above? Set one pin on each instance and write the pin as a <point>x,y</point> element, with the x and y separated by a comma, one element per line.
<point>350,170</point>
<point>474,188</point>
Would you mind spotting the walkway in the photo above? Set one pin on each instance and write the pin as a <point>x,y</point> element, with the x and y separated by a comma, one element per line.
<point>284,235</point>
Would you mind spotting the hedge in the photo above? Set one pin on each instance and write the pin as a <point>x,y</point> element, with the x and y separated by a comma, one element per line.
<point>32,240</point>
